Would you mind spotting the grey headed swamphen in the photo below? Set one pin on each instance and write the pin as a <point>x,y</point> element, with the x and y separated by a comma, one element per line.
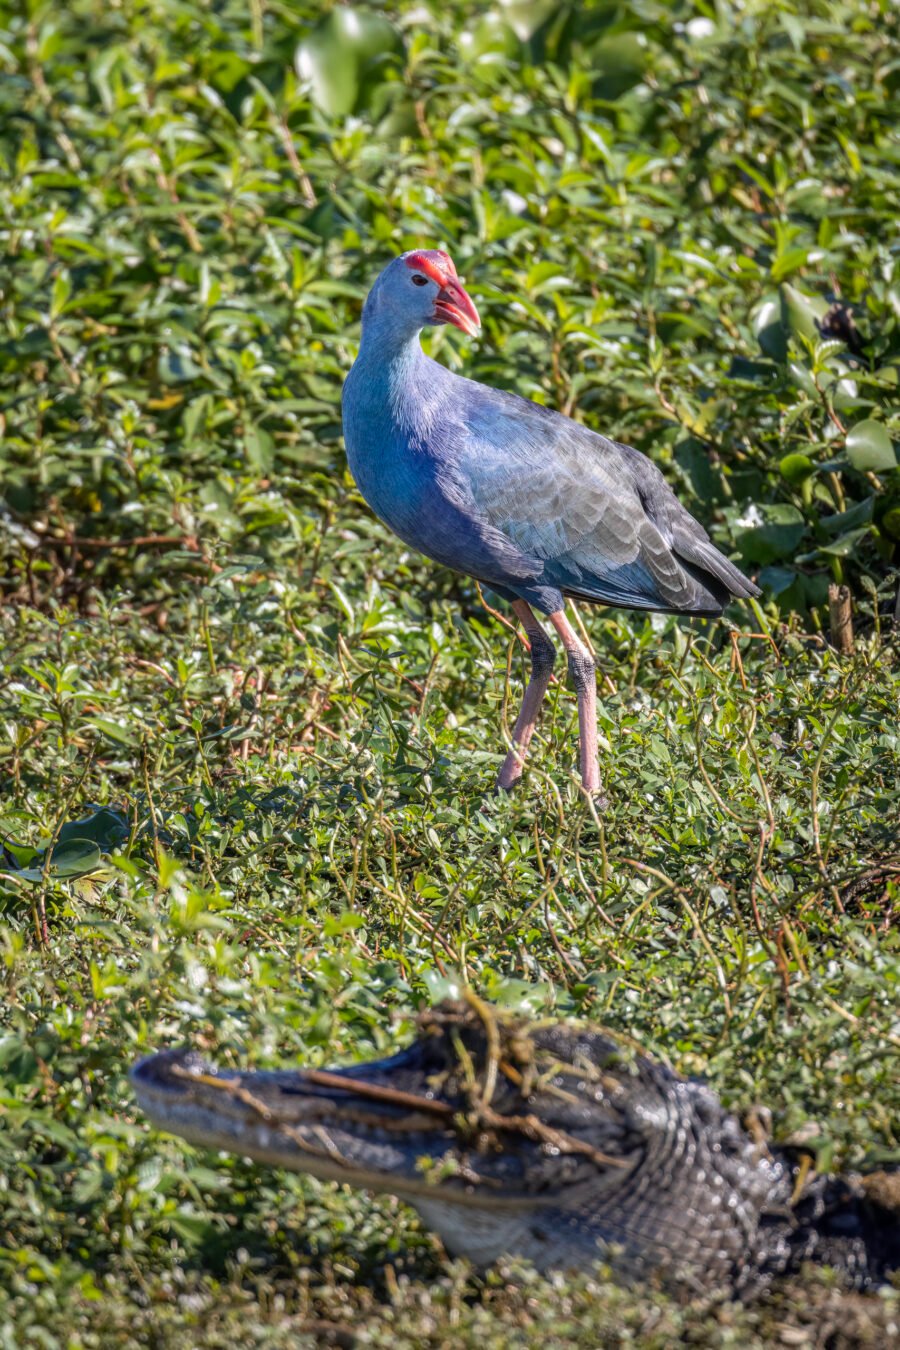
<point>521,498</point>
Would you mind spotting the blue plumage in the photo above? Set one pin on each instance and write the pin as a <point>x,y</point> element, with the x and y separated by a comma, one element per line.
<point>526,500</point>
<point>529,502</point>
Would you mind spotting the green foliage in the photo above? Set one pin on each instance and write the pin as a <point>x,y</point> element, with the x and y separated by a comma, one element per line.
<point>656,208</point>
<point>299,850</point>
<point>246,740</point>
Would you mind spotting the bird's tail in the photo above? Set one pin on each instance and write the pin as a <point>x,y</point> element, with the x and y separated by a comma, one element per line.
<point>696,549</point>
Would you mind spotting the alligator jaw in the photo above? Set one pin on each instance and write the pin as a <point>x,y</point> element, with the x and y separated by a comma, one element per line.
<point>337,1126</point>
<point>507,1137</point>
<point>547,1141</point>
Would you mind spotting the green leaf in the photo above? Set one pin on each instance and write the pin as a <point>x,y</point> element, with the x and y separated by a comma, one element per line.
<point>870,447</point>
<point>754,372</point>
<point>802,378</point>
<point>193,1230</point>
<point>800,312</point>
<point>332,78</point>
<point>774,533</point>
<point>617,65</point>
<point>525,17</point>
<point>62,289</point>
<point>177,367</point>
<point>845,544</point>
<point>105,827</point>
<point>769,329</point>
<point>490,37</point>
<point>18,856</point>
<point>339,59</point>
<point>795,468</point>
<point>74,858</point>
<point>114,731</point>
<point>260,448</point>
<point>858,514</point>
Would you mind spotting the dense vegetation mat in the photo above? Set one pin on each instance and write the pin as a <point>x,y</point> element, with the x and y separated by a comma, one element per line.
<point>247,741</point>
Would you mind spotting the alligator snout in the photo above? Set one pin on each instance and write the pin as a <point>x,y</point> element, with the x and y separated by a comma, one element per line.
<point>549,1141</point>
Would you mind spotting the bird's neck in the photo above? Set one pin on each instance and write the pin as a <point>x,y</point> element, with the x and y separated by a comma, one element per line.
<point>384,343</point>
<point>394,382</point>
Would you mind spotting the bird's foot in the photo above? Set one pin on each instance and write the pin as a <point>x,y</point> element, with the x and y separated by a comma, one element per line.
<point>592,786</point>
<point>511,773</point>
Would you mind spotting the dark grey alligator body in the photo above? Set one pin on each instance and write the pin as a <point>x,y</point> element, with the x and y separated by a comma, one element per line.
<point>549,1141</point>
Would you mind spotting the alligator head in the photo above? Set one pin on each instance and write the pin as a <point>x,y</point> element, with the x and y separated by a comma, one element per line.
<point>546,1140</point>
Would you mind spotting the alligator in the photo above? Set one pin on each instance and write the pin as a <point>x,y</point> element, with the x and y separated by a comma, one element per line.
<point>552,1141</point>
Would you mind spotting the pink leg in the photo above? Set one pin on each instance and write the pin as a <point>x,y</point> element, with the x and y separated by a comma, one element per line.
<point>584,678</point>
<point>542,657</point>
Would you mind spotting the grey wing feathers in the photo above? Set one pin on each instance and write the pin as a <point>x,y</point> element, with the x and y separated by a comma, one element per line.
<point>599,514</point>
<point>687,538</point>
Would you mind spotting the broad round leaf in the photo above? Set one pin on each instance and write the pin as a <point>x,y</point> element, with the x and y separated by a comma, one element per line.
<point>796,468</point>
<point>329,69</point>
<point>336,58</point>
<point>526,16</point>
<point>845,394</point>
<point>74,858</point>
<point>870,447</point>
<point>104,827</point>
<point>490,37</point>
<point>16,857</point>
<point>802,379</point>
<point>618,64</point>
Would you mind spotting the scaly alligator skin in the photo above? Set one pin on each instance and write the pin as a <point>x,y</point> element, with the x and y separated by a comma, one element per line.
<point>549,1141</point>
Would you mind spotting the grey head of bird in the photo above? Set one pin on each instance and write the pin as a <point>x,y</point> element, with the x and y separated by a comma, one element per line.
<point>418,289</point>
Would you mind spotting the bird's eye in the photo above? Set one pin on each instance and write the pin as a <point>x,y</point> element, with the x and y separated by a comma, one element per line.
<point>419,280</point>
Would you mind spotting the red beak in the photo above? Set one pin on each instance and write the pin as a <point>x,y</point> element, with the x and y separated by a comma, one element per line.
<point>452,305</point>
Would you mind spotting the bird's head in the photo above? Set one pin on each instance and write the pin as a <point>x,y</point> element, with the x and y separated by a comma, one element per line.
<point>420,288</point>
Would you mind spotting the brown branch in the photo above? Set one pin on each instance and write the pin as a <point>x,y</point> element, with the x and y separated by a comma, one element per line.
<point>303,178</point>
<point>167,184</point>
<point>840,612</point>
<point>43,92</point>
<point>137,541</point>
<point>358,1087</point>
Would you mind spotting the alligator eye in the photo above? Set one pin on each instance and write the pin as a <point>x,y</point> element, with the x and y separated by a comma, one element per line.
<point>419,280</point>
